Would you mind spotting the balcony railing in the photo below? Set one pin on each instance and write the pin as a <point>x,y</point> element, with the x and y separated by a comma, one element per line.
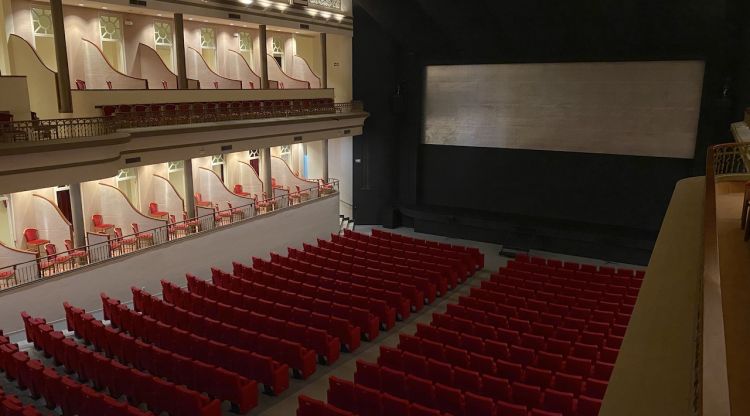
<point>109,247</point>
<point>165,115</point>
<point>731,159</point>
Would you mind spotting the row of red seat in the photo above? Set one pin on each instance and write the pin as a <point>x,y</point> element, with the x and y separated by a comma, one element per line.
<point>307,297</point>
<point>431,278</point>
<point>442,392</point>
<point>476,258</point>
<point>63,392</point>
<point>536,281</point>
<point>196,375</point>
<point>11,405</point>
<point>326,346</point>
<point>254,366</point>
<point>276,306</point>
<point>378,303</point>
<point>139,387</point>
<point>524,259</point>
<point>236,328</point>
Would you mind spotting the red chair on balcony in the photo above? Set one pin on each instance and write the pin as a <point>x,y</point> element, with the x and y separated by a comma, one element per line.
<point>109,85</point>
<point>236,213</point>
<point>55,258</point>
<point>294,197</point>
<point>80,84</point>
<point>176,229</point>
<point>99,225</point>
<point>33,242</point>
<point>261,205</point>
<point>121,243</point>
<point>238,190</point>
<point>165,85</point>
<point>303,194</point>
<point>145,238</point>
<point>5,278</point>
<point>223,217</point>
<point>153,209</point>
<point>193,224</point>
<point>77,255</point>
<point>199,202</point>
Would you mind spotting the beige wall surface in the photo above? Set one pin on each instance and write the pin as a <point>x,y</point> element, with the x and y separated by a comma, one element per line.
<point>15,97</point>
<point>258,237</point>
<point>599,107</point>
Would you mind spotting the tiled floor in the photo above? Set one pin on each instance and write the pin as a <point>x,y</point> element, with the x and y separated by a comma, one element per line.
<point>317,385</point>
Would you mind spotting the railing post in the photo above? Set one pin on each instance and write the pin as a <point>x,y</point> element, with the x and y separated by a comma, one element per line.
<point>263,41</point>
<point>64,97</point>
<point>179,40</point>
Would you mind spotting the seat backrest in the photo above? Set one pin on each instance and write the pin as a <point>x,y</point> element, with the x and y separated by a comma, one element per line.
<point>51,249</point>
<point>153,207</point>
<point>237,189</point>
<point>68,245</point>
<point>97,219</point>
<point>118,232</point>
<point>198,197</point>
<point>31,234</point>
<point>135,227</point>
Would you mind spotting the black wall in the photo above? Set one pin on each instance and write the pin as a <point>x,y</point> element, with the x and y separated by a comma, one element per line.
<point>594,205</point>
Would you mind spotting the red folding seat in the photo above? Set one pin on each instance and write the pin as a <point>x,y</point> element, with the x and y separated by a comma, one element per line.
<point>603,371</point>
<point>510,409</point>
<point>568,383</point>
<point>312,407</point>
<point>540,412</point>
<point>496,321</point>
<point>449,399</point>
<point>534,342</point>
<point>367,400</point>
<point>482,363</point>
<point>588,406</point>
<point>593,338</point>
<point>509,370</point>
<point>550,319</point>
<point>495,387</point>
<point>427,331</point>
<point>476,405</point>
<point>468,342</point>
<point>608,355</point>
<point>467,380</point>
<point>420,390</point>
<point>410,343</point>
<point>416,409</point>
<point>393,405</point>
<point>341,393</point>
<point>432,349</point>
<point>595,388</point>
<point>367,374</point>
<point>525,394</point>
<point>484,331</point>
<point>456,357</point>
<point>598,327</point>
<point>509,336</point>
<point>521,355</point>
<point>440,372</point>
<point>588,351</point>
<point>390,357</point>
<point>496,349</point>
<point>567,334</point>
<point>558,346</point>
<point>558,401</point>
<point>393,381</point>
<point>451,338</point>
<point>415,364</point>
<point>537,377</point>
<point>578,366</point>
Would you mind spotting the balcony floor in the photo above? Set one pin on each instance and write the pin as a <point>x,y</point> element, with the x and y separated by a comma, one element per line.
<point>734,259</point>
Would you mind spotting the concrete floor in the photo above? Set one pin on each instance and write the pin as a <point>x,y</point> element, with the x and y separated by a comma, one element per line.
<point>317,385</point>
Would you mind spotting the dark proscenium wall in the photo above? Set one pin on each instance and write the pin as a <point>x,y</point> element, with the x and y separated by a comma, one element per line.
<point>604,206</point>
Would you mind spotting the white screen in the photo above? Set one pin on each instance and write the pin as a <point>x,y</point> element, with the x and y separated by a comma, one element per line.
<point>625,108</point>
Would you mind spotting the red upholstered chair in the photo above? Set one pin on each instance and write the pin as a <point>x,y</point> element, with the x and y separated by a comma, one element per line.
<point>200,202</point>
<point>142,237</point>
<point>99,225</point>
<point>55,258</point>
<point>261,205</point>
<point>223,216</point>
<point>121,243</point>
<point>33,242</point>
<point>109,85</point>
<point>153,209</point>
<point>74,254</point>
<point>80,84</point>
<point>175,228</point>
<point>239,191</point>
<point>192,224</point>
<point>303,194</point>
<point>165,85</point>
<point>6,276</point>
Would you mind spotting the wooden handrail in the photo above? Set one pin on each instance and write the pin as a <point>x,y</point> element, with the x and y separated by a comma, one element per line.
<point>35,53</point>
<point>173,188</point>
<point>211,70</point>
<point>110,65</point>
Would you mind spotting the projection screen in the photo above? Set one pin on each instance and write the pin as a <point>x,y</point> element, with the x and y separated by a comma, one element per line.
<point>623,108</point>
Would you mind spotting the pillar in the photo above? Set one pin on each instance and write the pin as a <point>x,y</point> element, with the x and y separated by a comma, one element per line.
<point>324,60</point>
<point>265,171</point>
<point>324,162</point>
<point>64,98</point>
<point>76,212</point>
<point>189,190</point>
<point>179,40</point>
<point>263,40</point>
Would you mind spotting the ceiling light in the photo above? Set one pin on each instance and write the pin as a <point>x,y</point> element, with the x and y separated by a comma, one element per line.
<point>104,7</point>
<point>80,4</point>
<point>246,2</point>
<point>158,14</point>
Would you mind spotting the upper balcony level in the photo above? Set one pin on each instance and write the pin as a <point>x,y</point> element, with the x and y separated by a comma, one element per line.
<point>115,54</point>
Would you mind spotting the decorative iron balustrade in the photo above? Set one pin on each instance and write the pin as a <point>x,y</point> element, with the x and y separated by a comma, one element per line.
<point>731,159</point>
<point>71,128</point>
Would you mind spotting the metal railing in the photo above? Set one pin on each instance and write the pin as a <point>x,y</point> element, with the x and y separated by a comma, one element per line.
<point>731,159</point>
<point>111,247</point>
<point>70,128</point>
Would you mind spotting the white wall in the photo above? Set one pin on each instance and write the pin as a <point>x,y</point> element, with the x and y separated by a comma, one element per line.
<point>340,150</point>
<point>273,232</point>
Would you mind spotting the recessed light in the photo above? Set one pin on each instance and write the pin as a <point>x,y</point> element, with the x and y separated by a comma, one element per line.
<point>80,4</point>
<point>104,7</point>
<point>190,18</point>
<point>158,14</point>
<point>246,2</point>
